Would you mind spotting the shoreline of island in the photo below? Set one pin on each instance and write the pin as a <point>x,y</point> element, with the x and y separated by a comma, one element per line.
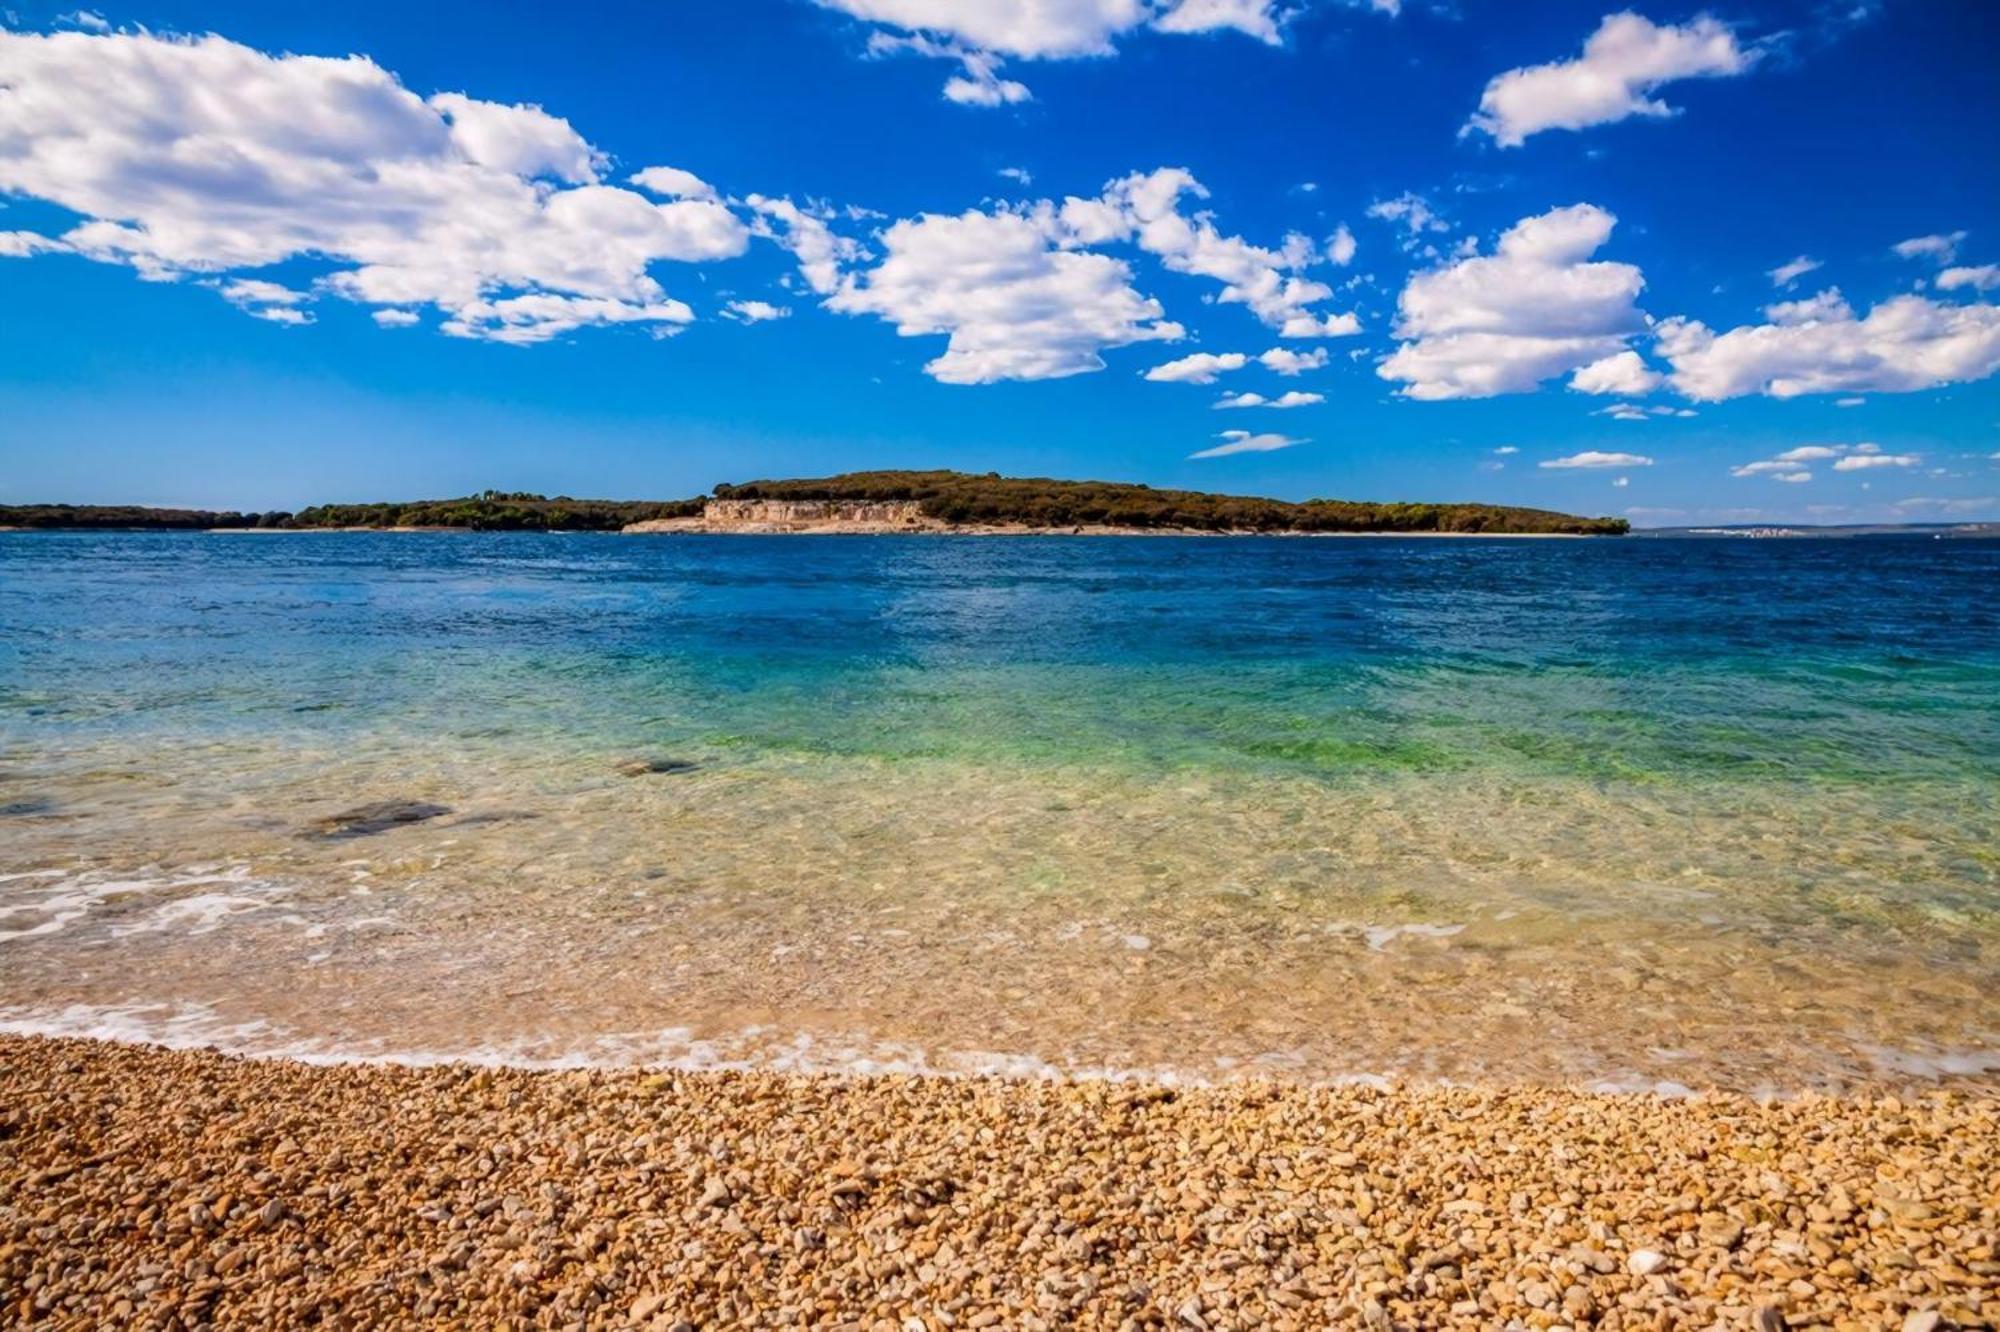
<point>220,1188</point>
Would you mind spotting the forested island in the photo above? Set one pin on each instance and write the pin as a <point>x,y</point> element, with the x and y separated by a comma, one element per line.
<point>930,500</point>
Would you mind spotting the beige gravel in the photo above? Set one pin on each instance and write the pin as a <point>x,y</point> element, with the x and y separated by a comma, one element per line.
<point>148,1188</point>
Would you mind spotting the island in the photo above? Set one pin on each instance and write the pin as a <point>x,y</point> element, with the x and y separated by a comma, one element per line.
<point>879,501</point>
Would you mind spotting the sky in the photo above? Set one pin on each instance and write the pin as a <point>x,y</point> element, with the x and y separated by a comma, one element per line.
<point>1680,265</point>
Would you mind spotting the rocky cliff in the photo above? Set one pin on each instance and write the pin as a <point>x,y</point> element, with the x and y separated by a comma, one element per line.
<point>762,515</point>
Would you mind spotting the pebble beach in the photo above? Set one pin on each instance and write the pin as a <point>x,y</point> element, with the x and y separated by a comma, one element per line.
<point>147,1188</point>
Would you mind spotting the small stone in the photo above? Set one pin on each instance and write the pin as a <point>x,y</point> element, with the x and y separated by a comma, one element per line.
<point>1768,1318</point>
<point>1724,1232</point>
<point>1923,1320</point>
<point>1645,1262</point>
<point>643,767</point>
<point>646,1306</point>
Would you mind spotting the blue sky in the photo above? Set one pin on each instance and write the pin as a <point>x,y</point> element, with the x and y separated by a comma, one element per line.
<point>234,275</point>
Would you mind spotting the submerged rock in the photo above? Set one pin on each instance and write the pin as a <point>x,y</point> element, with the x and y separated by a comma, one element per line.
<point>367,820</point>
<point>641,767</point>
<point>21,809</point>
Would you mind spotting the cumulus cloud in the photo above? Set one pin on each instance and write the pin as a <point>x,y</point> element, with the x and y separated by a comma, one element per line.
<point>672,183</point>
<point>1858,462</point>
<point>1506,450</point>
<point>1146,208</point>
<point>1942,247</point>
<point>23,244</point>
<point>1623,63</point>
<point>1011,303</point>
<point>1285,361</point>
<point>1791,464</point>
<point>982,34</point>
<point>1022,292</point>
<point>207,157</point>
<point>1244,441</point>
<point>1984,277</point>
<point>1905,344</point>
<point>819,250</point>
<point>1340,246</point>
<point>1283,401</point>
<point>1414,215</point>
<point>754,312</point>
<point>1199,368</point>
<point>1624,373</point>
<point>1784,275</point>
<point>1537,307</point>
<point>1592,458</point>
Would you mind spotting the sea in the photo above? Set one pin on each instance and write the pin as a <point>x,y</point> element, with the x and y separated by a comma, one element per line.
<point>1628,814</point>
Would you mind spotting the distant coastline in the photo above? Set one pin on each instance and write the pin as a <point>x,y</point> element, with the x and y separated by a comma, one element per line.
<point>861,503</point>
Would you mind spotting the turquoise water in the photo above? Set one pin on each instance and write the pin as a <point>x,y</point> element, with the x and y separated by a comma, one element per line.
<point>1191,806</point>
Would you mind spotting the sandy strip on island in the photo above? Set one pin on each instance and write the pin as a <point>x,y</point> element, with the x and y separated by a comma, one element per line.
<point>147,1188</point>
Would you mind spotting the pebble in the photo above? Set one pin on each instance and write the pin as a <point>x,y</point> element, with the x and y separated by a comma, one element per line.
<point>1645,1262</point>
<point>147,1187</point>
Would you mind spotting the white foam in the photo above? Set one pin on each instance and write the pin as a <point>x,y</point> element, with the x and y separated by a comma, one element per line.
<point>60,899</point>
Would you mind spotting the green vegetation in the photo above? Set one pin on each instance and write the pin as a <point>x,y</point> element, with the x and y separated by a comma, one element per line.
<point>110,516</point>
<point>952,497</point>
<point>489,511</point>
<point>960,497</point>
<point>499,511</point>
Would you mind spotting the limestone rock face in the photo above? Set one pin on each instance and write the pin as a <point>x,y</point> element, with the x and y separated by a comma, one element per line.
<point>814,513</point>
<point>800,516</point>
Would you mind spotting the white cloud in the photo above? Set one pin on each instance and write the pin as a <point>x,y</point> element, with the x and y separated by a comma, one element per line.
<point>1592,458</point>
<point>672,183</point>
<point>24,244</point>
<point>1021,293</point>
<point>1943,248</point>
<point>754,312</point>
<point>1243,441</point>
<point>1285,361</point>
<point>1012,304</point>
<point>88,19</point>
<point>1019,175</point>
<point>819,250</point>
<point>1623,411</point>
<point>1536,308</point>
<point>982,34</point>
<point>1784,275</point>
<point>1283,402</point>
<point>1621,481</point>
<point>539,316</point>
<point>1506,449</point>
<point>1849,402</point>
<point>391,318</point>
<point>203,156</point>
<point>1623,373</point>
<point>1623,63</point>
<point>1414,214</point>
<point>1984,277</point>
<point>1790,465</point>
<point>1905,344</point>
<point>1341,246</point>
<point>1145,207</point>
<point>978,83</point>
<point>1261,19</point>
<point>1199,368</point>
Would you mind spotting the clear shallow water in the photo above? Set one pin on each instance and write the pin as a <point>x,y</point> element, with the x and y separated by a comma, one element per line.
<point>1647,812</point>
